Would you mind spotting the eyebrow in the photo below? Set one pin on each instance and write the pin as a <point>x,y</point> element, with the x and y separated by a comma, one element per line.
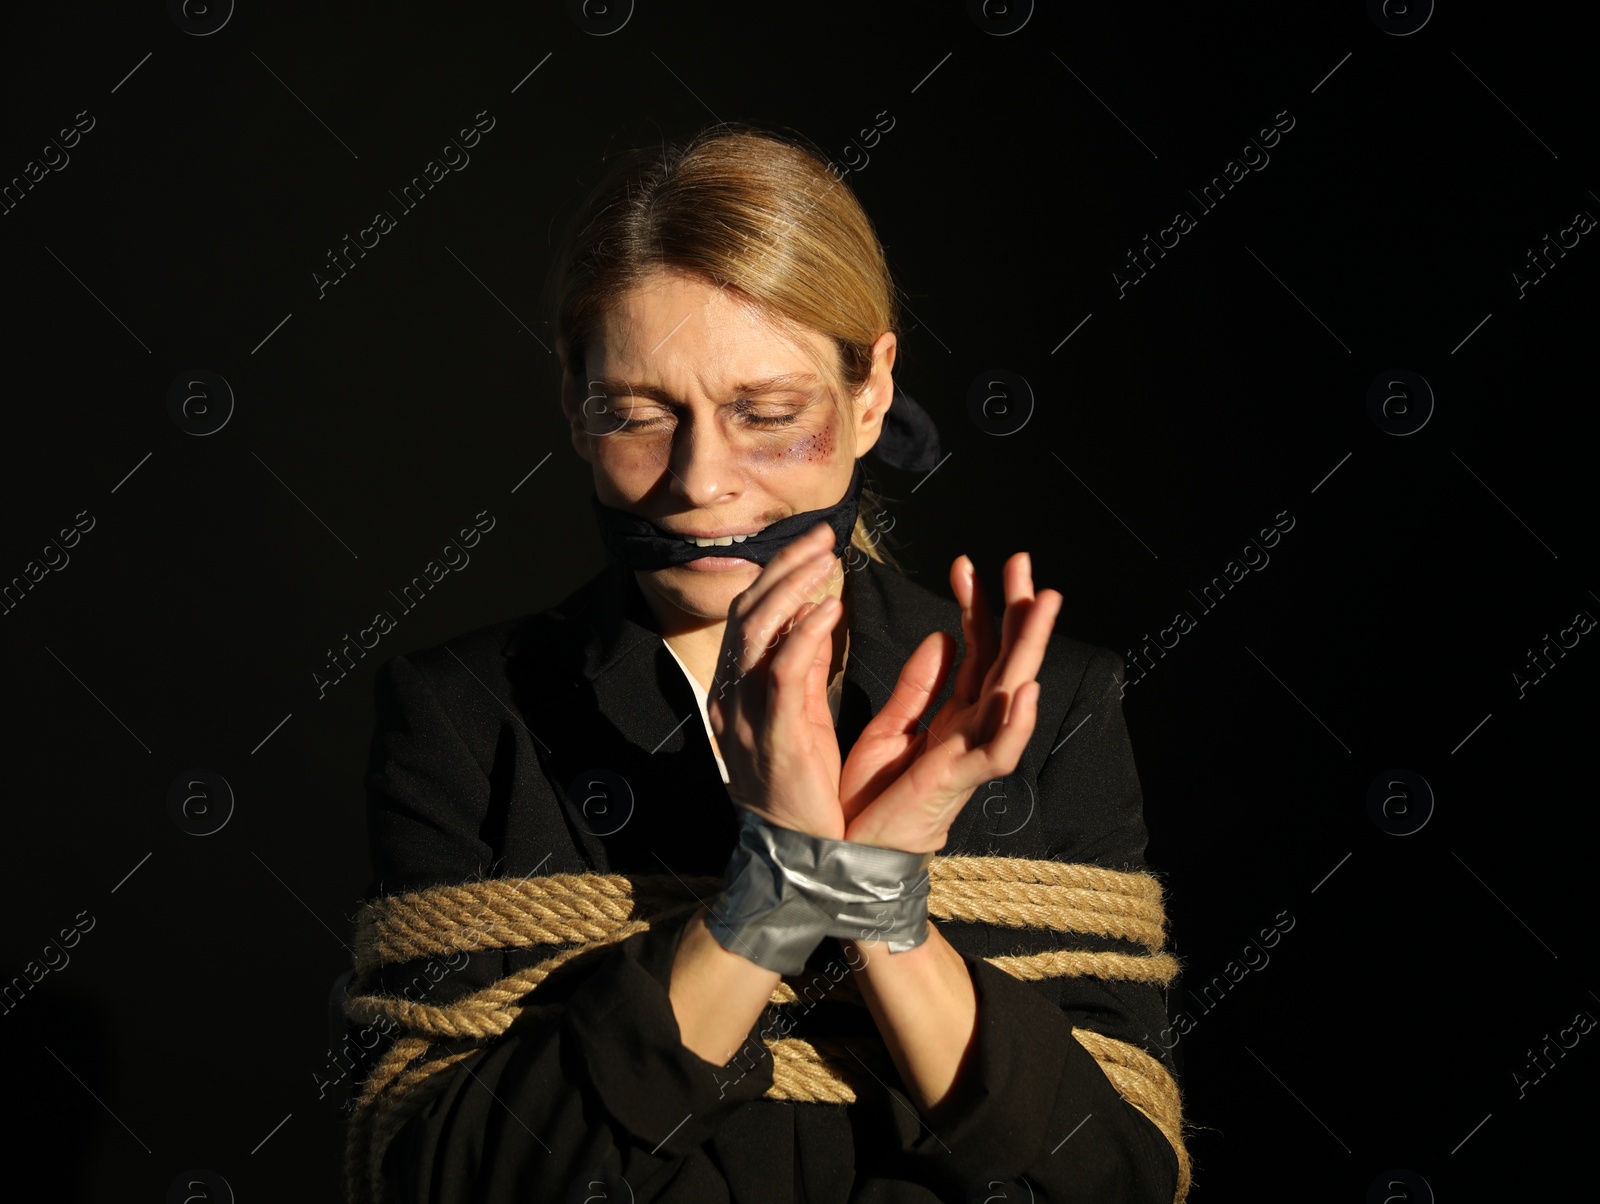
<point>786,381</point>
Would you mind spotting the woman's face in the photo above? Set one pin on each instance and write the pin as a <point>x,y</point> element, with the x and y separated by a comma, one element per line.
<point>703,418</point>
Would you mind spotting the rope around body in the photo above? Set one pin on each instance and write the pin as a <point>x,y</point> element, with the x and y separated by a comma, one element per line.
<point>585,912</point>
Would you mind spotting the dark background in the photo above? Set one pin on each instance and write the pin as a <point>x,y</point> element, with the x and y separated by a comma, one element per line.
<point>1227,388</point>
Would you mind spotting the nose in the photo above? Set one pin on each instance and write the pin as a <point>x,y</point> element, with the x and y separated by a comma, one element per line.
<point>702,464</point>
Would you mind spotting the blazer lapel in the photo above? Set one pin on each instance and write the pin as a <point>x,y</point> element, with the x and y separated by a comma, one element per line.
<point>626,749</point>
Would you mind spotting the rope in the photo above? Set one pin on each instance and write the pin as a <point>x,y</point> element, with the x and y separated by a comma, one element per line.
<point>588,912</point>
<point>1144,1082</point>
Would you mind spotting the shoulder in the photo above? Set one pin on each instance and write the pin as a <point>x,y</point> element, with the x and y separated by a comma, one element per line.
<point>476,664</point>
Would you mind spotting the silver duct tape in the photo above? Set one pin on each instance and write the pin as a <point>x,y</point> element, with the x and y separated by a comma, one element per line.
<point>784,891</point>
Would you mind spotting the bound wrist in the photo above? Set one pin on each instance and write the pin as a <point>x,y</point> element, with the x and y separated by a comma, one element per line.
<point>785,891</point>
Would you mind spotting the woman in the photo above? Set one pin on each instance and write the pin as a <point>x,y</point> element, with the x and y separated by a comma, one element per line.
<point>725,322</point>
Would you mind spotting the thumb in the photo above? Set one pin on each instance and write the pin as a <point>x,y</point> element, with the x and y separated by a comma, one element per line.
<point>920,680</point>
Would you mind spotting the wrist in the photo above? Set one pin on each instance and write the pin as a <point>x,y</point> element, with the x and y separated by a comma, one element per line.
<point>785,891</point>
<point>924,843</point>
<point>828,831</point>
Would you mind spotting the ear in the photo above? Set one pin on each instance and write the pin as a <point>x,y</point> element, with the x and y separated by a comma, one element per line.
<point>873,402</point>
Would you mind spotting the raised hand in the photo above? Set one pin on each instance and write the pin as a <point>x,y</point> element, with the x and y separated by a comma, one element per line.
<point>903,785</point>
<point>768,699</point>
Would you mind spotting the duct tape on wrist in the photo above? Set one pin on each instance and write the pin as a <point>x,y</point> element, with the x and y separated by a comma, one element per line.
<point>785,891</point>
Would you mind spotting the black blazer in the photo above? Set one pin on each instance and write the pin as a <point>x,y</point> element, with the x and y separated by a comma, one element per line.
<point>485,762</point>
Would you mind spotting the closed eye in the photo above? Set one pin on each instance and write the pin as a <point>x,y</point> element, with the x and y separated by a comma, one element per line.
<point>758,420</point>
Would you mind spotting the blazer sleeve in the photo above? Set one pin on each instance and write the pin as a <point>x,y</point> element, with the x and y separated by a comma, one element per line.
<point>594,1077</point>
<point>1033,1104</point>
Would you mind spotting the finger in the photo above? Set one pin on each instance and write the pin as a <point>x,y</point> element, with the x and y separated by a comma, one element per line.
<point>1020,663</point>
<point>895,738</point>
<point>759,617</point>
<point>1025,628</point>
<point>816,695</point>
<point>757,704</point>
<point>1017,578</point>
<point>796,552</point>
<point>921,679</point>
<point>797,675</point>
<point>977,626</point>
<point>767,628</point>
<point>752,635</point>
<point>999,755</point>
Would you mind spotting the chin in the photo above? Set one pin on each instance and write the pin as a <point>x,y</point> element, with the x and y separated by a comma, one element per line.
<point>709,591</point>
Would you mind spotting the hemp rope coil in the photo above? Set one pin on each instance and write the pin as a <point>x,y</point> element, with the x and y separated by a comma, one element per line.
<point>587,912</point>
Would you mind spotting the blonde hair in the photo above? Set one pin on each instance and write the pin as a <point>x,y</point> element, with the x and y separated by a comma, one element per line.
<point>749,209</point>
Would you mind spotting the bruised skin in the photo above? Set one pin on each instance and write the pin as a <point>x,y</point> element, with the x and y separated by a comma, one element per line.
<point>812,449</point>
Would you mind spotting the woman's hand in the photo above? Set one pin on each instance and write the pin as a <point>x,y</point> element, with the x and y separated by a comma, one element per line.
<point>903,786</point>
<point>768,705</point>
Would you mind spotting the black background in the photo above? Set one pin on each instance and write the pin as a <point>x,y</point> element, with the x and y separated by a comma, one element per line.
<point>1227,388</point>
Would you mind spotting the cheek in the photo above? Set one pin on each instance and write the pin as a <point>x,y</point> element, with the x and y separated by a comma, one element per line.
<point>815,448</point>
<point>627,459</point>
